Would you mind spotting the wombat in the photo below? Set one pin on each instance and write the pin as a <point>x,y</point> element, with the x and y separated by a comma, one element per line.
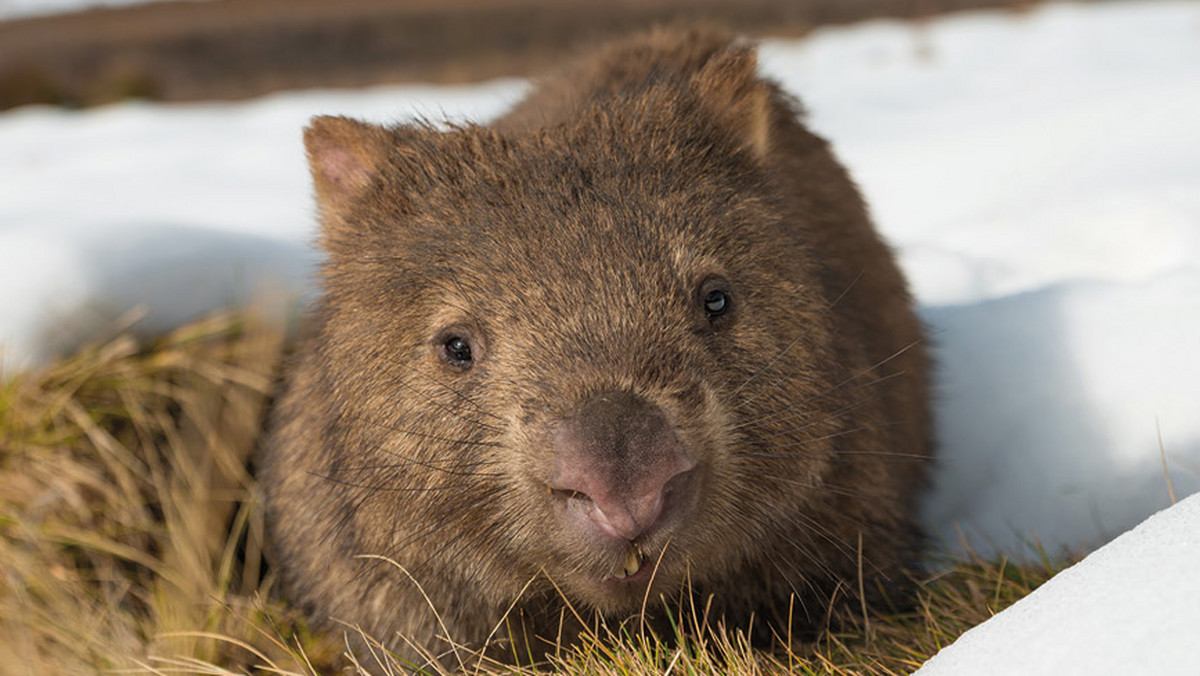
<point>635,341</point>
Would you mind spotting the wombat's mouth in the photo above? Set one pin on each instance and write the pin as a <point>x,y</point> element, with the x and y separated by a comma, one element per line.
<point>632,565</point>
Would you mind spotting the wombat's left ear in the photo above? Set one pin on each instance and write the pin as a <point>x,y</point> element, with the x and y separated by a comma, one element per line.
<point>729,83</point>
<point>343,155</point>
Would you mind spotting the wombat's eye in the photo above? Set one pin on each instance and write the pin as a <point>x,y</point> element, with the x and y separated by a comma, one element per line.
<point>715,298</point>
<point>456,351</point>
<point>716,302</point>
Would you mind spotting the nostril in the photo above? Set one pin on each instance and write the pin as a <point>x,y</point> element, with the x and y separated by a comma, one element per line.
<point>618,466</point>
<point>621,515</point>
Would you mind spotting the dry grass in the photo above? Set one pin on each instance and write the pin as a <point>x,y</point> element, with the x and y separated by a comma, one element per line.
<point>132,537</point>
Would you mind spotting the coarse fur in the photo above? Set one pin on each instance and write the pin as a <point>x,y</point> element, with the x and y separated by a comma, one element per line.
<point>571,245</point>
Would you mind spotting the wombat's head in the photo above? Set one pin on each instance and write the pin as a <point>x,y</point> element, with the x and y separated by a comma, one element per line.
<point>584,354</point>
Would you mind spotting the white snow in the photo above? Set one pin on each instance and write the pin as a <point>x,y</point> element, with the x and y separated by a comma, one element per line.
<point>1039,174</point>
<point>1129,608</point>
<point>1050,406</point>
<point>1076,122</point>
<point>14,9</point>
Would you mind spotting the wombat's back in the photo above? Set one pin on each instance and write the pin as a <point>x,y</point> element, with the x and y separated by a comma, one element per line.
<point>636,336</point>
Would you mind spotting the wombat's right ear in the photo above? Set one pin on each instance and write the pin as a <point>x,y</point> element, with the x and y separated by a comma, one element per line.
<point>740,100</point>
<point>343,155</point>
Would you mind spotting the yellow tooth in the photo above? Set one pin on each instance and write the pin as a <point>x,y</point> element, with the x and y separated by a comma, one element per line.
<point>633,560</point>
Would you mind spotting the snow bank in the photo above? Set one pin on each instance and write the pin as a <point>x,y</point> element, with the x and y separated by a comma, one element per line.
<point>1050,405</point>
<point>1038,172</point>
<point>1004,153</point>
<point>1040,176</point>
<point>1132,607</point>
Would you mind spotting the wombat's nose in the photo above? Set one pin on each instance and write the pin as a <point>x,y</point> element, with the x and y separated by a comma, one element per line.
<point>619,465</point>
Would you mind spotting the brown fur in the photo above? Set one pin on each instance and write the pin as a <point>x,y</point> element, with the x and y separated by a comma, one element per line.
<point>569,243</point>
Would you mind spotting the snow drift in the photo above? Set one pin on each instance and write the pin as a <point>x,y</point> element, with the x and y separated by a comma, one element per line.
<point>1130,607</point>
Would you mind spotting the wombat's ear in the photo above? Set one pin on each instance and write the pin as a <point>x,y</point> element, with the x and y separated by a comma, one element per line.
<point>729,83</point>
<point>343,155</point>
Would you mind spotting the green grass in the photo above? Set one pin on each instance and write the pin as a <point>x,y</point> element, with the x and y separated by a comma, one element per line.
<point>131,538</point>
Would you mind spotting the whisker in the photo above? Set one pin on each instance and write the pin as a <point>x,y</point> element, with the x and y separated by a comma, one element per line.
<point>816,593</point>
<point>844,491</point>
<point>415,433</point>
<point>838,452</point>
<point>851,553</point>
<point>753,423</point>
<point>874,366</point>
<point>387,488</point>
<point>407,383</point>
<point>811,557</point>
<point>779,355</point>
<point>831,390</point>
<point>474,404</point>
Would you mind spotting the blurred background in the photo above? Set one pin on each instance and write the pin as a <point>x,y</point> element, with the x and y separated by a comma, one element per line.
<point>88,52</point>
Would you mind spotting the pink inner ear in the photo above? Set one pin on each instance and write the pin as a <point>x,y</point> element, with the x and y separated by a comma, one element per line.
<point>342,168</point>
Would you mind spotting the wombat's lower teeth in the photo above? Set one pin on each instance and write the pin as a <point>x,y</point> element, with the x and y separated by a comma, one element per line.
<point>631,564</point>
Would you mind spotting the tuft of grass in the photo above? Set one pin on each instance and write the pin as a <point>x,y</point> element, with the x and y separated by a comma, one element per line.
<point>129,523</point>
<point>131,539</point>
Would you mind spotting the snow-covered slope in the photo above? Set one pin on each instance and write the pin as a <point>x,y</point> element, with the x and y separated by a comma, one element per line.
<point>1133,607</point>
<point>1038,172</point>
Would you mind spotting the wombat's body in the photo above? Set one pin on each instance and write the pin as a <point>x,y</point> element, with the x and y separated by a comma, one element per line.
<point>638,332</point>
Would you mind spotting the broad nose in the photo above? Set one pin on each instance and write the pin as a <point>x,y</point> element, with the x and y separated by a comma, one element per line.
<point>619,465</point>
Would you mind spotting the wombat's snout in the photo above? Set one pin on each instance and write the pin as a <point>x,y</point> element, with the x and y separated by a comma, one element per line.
<point>619,467</point>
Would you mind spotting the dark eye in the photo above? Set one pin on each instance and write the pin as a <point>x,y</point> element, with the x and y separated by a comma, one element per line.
<point>456,350</point>
<point>716,303</point>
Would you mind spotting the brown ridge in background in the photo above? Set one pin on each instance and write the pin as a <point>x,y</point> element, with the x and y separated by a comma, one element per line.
<point>232,49</point>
